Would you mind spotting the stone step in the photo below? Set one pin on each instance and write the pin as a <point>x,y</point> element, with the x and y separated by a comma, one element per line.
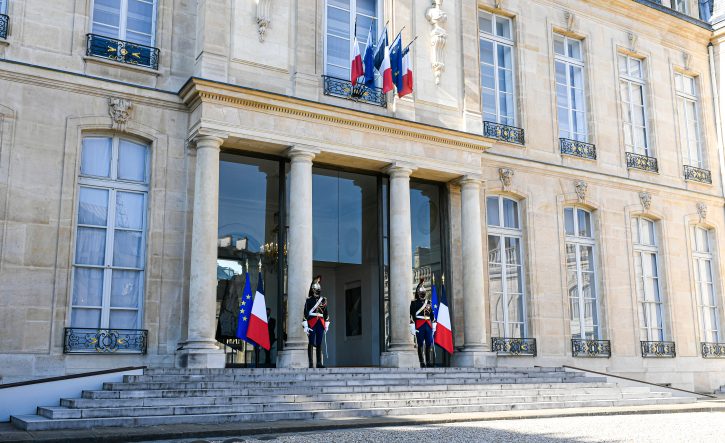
<point>37,422</point>
<point>282,371</point>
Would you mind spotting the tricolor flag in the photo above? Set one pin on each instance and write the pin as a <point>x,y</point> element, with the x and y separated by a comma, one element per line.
<point>369,59</point>
<point>396,61</point>
<point>407,74</point>
<point>380,49</point>
<point>245,309</point>
<point>386,72</point>
<point>444,334</point>
<point>258,333</point>
<point>356,66</point>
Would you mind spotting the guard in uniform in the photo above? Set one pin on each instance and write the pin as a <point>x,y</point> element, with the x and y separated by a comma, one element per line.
<point>422,325</point>
<point>316,321</point>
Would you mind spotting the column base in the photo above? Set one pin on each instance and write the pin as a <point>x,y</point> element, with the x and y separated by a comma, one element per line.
<point>200,357</point>
<point>292,358</point>
<point>474,359</point>
<point>402,358</point>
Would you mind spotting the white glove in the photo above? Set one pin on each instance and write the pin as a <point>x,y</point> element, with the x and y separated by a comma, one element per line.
<point>327,325</point>
<point>434,327</point>
<point>305,327</point>
<point>412,329</point>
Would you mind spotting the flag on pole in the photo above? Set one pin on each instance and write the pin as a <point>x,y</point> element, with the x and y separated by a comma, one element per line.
<point>386,72</point>
<point>258,332</point>
<point>444,334</point>
<point>245,309</point>
<point>396,62</point>
<point>434,298</point>
<point>407,74</point>
<point>382,43</point>
<point>356,66</point>
<point>369,59</point>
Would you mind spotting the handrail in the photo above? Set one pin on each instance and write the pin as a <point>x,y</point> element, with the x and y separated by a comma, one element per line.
<point>638,381</point>
<point>69,376</point>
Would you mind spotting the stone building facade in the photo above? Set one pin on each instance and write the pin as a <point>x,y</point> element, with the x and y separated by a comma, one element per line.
<point>559,163</point>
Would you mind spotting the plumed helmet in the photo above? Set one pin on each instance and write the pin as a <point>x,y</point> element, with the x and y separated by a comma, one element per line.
<point>315,287</point>
<point>420,290</point>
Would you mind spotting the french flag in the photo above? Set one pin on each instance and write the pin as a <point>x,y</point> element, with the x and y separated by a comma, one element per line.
<point>444,335</point>
<point>386,71</point>
<point>258,331</point>
<point>407,75</point>
<point>356,68</point>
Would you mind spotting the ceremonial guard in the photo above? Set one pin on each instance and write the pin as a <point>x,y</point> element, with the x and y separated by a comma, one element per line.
<point>316,321</point>
<point>422,325</point>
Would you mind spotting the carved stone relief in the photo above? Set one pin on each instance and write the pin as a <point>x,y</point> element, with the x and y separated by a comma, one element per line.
<point>438,36</point>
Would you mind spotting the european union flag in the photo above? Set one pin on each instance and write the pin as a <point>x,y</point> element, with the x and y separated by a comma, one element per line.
<point>245,310</point>
<point>434,300</point>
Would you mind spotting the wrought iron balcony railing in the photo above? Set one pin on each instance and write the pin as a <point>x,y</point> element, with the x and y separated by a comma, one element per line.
<point>697,174</point>
<point>591,348</point>
<point>578,148</point>
<point>713,350</point>
<point>638,161</point>
<point>4,21</point>
<point>337,87</point>
<point>503,132</point>
<point>122,51</point>
<point>105,341</point>
<point>658,348</point>
<point>514,346</point>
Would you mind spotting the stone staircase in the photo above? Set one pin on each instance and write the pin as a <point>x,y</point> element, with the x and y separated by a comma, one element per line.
<point>167,396</point>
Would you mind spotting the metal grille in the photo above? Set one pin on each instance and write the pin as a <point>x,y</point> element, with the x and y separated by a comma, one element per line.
<point>513,346</point>
<point>591,348</point>
<point>658,348</point>
<point>713,350</point>
<point>503,132</point>
<point>105,341</point>
<point>337,87</point>
<point>4,20</point>
<point>578,148</point>
<point>122,51</point>
<point>637,161</point>
<point>697,175</point>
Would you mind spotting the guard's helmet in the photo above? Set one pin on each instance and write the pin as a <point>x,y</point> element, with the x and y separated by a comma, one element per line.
<point>315,287</point>
<point>420,290</point>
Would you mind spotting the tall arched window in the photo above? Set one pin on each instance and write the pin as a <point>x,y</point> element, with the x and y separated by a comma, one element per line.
<point>704,285</point>
<point>581,274</point>
<point>506,268</point>
<point>109,259</point>
<point>647,272</point>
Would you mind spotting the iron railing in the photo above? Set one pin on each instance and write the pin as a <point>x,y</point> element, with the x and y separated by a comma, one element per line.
<point>591,348</point>
<point>578,148</point>
<point>507,133</point>
<point>105,341</point>
<point>658,348</point>
<point>712,350</point>
<point>643,162</point>
<point>697,174</point>
<point>514,346</point>
<point>122,51</point>
<point>4,20</point>
<point>337,87</point>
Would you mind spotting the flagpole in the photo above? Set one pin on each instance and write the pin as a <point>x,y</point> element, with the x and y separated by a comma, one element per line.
<point>412,41</point>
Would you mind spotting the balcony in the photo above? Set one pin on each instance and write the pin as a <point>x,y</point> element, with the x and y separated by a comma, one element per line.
<point>697,175</point>
<point>4,20</point>
<point>713,350</point>
<point>578,148</point>
<point>591,348</point>
<point>122,51</point>
<point>105,341</point>
<point>638,161</point>
<point>658,349</point>
<point>503,132</point>
<point>337,87</point>
<point>514,346</point>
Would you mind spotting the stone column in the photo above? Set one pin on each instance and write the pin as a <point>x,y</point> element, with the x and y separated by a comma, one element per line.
<point>401,353</point>
<point>299,255</point>
<point>474,299</point>
<point>200,349</point>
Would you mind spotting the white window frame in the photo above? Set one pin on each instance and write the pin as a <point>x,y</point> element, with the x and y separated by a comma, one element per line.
<point>681,6</point>
<point>503,232</point>
<point>631,82</point>
<point>499,41</point>
<point>707,257</point>
<point>640,250</point>
<point>580,63</point>
<point>3,6</point>
<point>578,242</point>
<point>123,21</point>
<point>353,14</point>
<point>695,156</point>
<point>113,185</point>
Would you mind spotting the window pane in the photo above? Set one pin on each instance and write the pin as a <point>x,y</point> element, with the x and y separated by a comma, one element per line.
<point>585,223</point>
<point>87,287</point>
<point>504,58</point>
<point>125,288</point>
<point>140,19</point>
<point>366,7</point>
<point>574,48</point>
<point>492,214</point>
<point>127,249</point>
<point>635,67</point>
<point>503,27</point>
<point>131,161</point>
<point>622,64</point>
<point>106,17</point>
<point>494,250</point>
<point>511,213</point>
<point>569,221</point>
<point>93,206</point>
<point>129,210</point>
<point>86,318</point>
<point>513,280</point>
<point>648,232</point>
<point>559,44</point>
<point>96,157</point>
<point>513,251</point>
<point>90,246</point>
<point>485,22</point>
<point>123,319</point>
<point>586,259</point>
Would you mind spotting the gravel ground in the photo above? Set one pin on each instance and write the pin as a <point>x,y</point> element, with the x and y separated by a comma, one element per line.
<point>660,428</point>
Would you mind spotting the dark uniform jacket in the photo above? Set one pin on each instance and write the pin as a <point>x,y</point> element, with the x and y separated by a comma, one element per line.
<point>426,312</point>
<point>309,304</point>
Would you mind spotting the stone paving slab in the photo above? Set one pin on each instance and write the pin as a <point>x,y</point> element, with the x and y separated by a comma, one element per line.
<point>164,432</point>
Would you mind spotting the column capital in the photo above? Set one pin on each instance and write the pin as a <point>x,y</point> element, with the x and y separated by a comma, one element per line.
<point>469,180</point>
<point>399,170</point>
<point>208,138</point>
<point>302,152</point>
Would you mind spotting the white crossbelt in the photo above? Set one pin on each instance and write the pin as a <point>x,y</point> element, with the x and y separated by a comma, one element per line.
<point>312,311</point>
<point>422,318</point>
<point>316,314</point>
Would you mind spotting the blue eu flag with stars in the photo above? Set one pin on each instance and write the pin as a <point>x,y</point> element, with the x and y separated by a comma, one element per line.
<point>245,310</point>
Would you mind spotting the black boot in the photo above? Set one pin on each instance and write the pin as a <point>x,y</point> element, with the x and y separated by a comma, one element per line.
<point>318,351</point>
<point>420,357</point>
<point>309,356</point>
<point>429,357</point>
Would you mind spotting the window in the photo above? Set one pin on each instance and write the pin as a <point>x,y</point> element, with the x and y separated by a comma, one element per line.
<point>497,71</point>
<point>581,274</point>
<point>3,7</point>
<point>689,120</point>
<point>506,268</point>
<point>680,6</point>
<point>129,20</point>
<point>339,27</point>
<point>647,270</point>
<point>704,284</point>
<point>108,266</point>
<point>571,106</point>
<point>634,113</point>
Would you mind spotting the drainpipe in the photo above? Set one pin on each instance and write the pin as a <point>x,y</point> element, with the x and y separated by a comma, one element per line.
<point>718,120</point>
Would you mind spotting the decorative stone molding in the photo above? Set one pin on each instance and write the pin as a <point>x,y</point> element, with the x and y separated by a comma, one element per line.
<point>569,17</point>
<point>701,211</point>
<point>438,36</point>
<point>505,175</point>
<point>497,3</point>
<point>646,199</point>
<point>263,17</point>
<point>580,186</point>
<point>632,39</point>
<point>686,59</point>
<point>120,111</point>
